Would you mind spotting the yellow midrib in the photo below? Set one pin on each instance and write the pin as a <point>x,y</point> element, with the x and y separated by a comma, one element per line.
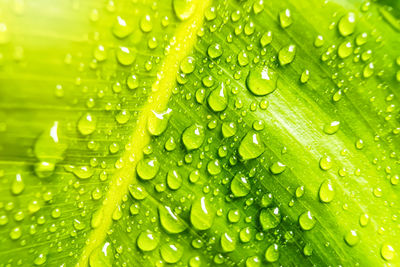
<point>185,38</point>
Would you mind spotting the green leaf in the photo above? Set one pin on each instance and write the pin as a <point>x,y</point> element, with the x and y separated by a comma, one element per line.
<point>199,133</point>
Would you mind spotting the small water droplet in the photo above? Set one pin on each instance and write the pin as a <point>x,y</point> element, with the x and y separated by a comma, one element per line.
<point>286,54</point>
<point>277,167</point>
<point>171,253</point>
<point>332,127</point>
<point>87,124</point>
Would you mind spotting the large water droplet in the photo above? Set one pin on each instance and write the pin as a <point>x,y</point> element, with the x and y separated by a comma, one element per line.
<point>272,253</point>
<point>87,124</point>
<point>147,240</point>
<point>157,122</point>
<point>171,253</point>
<point>286,54</point>
<point>170,221</point>
<point>347,24</point>
<point>351,238</point>
<point>125,56</point>
<point>121,29</point>
<point>270,218</point>
<point>307,221</point>
<point>228,242</point>
<point>261,82</point>
<point>147,168</point>
<point>240,187</point>
<point>251,146</point>
<point>285,18</point>
<point>326,191</point>
<point>201,214</point>
<point>218,98</point>
<point>193,137</point>
<point>214,51</point>
<point>388,252</point>
<point>331,127</point>
<point>174,180</point>
<point>184,8</point>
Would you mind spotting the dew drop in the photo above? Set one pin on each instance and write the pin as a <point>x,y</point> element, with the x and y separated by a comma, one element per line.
<point>187,65</point>
<point>184,9</point>
<point>218,98</point>
<point>170,221</point>
<point>326,191</point>
<point>146,24</point>
<point>351,238</point>
<point>120,28</point>
<point>325,163</point>
<point>101,256</point>
<point>261,82</point>
<point>277,168</point>
<point>286,54</point>
<point>174,180</point>
<point>87,124</point>
<point>240,187</point>
<point>272,253</point>
<point>147,241</point>
<point>147,168</point>
<point>270,218</point>
<point>266,39</point>
<point>193,137</point>
<point>125,56</point>
<point>17,185</point>
<point>171,253</point>
<point>228,242</point>
<point>157,122</point>
<point>214,51</point>
<point>251,146</point>
<point>285,18</point>
<point>387,252</point>
<point>307,221</point>
<point>229,129</point>
<point>332,127</point>
<point>347,24</point>
<point>305,76</point>
<point>201,214</point>
<point>345,49</point>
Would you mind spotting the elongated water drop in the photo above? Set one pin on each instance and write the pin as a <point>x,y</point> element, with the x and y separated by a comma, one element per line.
<point>218,98</point>
<point>347,24</point>
<point>286,54</point>
<point>261,81</point>
<point>87,124</point>
<point>326,191</point>
<point>266,39</point>
<point>345,49</point>
<point>193,137</point>
<point>201,214</point>
<point>285,18</point>
<point>17,185</point>
<point>184,9</point>
<point>228,242</point>
<point>101,256</point>
<point>170,221</point>
<point>251,146</point>
<point>174,179</point>
<point>368,70</point>
<point>240,187</point>
<point>157,122</point>
<point>272,253</point>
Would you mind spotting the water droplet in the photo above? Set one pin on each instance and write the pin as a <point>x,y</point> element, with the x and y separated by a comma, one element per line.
<point>218,98</point>
<point>184,9</point>
<point>258,6</point>
<point>307,221</point>
<point>305,76</point>
<point>174,180</point>
<point>17,185</point>
<point>40,259</point>
<point>326,191</point>
<point>147,241</point>
<point>300,191</point>
<point>325,163</point>
<point>228,129</point>
<point>171,253</point>
<point>125,56</point>
<point>146,24</point>
<point>361,38</point>
<point>214,51</point>
<point>345,49</point>
<point>157,122</point>
<point>251,146</point>
<point>261,82</point>
<point>332,127</point>
<point>4,33</point>
<point>347,24</point>
<point>147,168</point>
<point>170,144</point>
<point>210,13</point>
<point>364,220</point>
<point>270,218</point>
<point>351,238</point>
<point>266,39</point>
<point>319,41</point>
<point>307,250</point>
<point>100,53</point>
<point>368,70</point>
<point>101,256</point>
<point>240,187</point>
<point>193,137</point>
<point>277,167</point>
<point>243,58</point>
<point>120,28</point>
<point>123,116</point>
<point>286,54</point>
<point>15,233</point>
<point>285,18</point>
<point>187,65</point>
<point>132,82</point>
<point>253,261</point>
<point>201,214</point>
<point>387,252</point>
<point>214,167</point>
<point>272,253</point>
<point>170,221</point>
<point>138,192</point>
<point>228,242</point>
<point>234,215</point>
<point>87,124</point>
